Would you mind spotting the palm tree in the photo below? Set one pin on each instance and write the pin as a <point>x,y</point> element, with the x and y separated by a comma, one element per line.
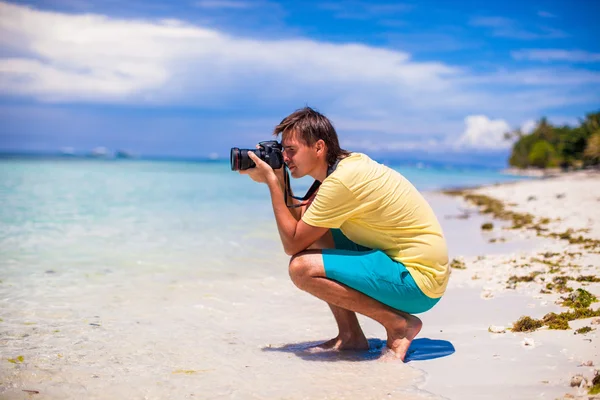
<point>591,123</point>
<point>592,151</point>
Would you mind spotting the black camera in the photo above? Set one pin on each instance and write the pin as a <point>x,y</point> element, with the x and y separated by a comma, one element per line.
<point>269,151</point>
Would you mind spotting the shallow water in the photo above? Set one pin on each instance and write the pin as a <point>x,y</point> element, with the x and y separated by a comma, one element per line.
<point>162,280</point>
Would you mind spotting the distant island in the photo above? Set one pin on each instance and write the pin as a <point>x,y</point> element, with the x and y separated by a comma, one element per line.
<point>550,146</point>
<point>98,152</point>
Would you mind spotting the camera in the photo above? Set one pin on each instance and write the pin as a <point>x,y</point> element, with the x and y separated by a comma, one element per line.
<point>269,151</point>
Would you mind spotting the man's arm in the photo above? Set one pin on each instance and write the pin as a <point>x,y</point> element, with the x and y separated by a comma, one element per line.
<point>296,211</point>
<point>295,235</point>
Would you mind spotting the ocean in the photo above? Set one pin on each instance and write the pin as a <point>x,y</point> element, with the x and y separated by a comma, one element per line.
<point>166,279</point>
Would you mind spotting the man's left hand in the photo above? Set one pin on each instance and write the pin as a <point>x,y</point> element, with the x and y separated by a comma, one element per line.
<point>262,173</point>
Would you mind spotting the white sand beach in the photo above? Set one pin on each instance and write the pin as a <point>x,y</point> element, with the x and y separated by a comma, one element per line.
<point>161,331</point>
<point>481,297</point>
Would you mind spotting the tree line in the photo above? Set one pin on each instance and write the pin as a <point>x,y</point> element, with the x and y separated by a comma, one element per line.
<point>557,146</point>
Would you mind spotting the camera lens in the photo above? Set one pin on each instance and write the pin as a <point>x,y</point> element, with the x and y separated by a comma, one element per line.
<point>245,161</point>
<point>241,161</point>
<point>234,158</point>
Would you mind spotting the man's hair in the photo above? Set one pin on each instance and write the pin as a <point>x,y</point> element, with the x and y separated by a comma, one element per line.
<point>312,126</point>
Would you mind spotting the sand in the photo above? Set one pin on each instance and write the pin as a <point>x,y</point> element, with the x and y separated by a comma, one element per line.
<point>539,364</point>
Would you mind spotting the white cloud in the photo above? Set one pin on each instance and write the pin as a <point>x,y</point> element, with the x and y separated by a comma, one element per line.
<point>549,55</point>
<point>492,22</point>
<point>225,4</point>
<point>365,9</point>
<point>528,126</point>
<point>390,146</point>
<point>546,14</point>
<point>505,27</point>
<point>536,77</point>
<point>91,57</point>
<point>484,133</point>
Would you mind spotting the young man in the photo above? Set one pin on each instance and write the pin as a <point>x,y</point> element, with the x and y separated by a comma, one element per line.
<point>368,242</point>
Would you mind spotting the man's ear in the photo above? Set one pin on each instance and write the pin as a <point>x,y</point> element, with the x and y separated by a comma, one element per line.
<point>320,145</point>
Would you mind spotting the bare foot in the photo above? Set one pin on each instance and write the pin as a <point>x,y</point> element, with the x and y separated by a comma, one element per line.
<point>402,334</point>
<point>357,342</point>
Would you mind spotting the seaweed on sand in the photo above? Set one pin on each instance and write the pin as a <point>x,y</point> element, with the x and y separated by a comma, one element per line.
<point>595,389</point>
<point>581,298</point>
<point>584,330</point>
<point>488,226</point>
<point>527,324</point>
<point>490,205</point>
<point>553,320</point>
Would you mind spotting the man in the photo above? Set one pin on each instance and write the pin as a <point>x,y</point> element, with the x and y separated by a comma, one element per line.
<point>367,242</point>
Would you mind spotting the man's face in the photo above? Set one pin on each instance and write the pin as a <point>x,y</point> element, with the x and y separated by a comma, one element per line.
<point>300,158</point>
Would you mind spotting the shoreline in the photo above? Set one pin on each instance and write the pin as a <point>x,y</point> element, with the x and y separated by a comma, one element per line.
<point>547,172</point>
<point>560,214</point>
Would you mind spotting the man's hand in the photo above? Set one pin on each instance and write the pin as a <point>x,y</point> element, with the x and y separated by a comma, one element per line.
<point>262,173</point>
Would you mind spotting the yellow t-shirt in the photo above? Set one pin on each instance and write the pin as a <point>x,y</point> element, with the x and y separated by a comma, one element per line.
<point>377,207</point>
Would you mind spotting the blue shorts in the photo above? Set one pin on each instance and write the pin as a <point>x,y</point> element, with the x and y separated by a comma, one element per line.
<point>375,274</point>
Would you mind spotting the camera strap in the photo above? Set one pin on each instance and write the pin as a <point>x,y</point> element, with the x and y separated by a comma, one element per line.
<point>311,191</point>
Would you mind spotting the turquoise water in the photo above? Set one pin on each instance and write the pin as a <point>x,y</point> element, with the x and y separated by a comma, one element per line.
<point>101,212</point>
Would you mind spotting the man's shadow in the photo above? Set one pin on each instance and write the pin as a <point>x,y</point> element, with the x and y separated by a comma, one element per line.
<point>420,349</point>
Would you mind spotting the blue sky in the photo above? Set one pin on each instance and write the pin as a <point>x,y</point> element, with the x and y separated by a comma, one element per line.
<point>196,78</point>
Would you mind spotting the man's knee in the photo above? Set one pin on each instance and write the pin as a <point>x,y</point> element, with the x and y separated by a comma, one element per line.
<point>302,268</point>
<point>298,269</point>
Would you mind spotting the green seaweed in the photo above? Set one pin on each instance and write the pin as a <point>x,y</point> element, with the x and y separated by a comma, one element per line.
<point>527,324</point>
<point>574,254</point>
<point>553,320</point>
<point>514,279</point>
<point>556,265</point>
<point>569,235</point>
<point>580,299</point>
<point>584,330</point>
<point>595,389</point>
<point>16,360</point>
<point>549,254</point>
<point>560,284</point>
<point>489,205</point>
<point>488,226</point>
<point>191,371</point>
<point>588,278</point>
<point>552,264</point>
<point>457,264</point>
<point>556,321</point>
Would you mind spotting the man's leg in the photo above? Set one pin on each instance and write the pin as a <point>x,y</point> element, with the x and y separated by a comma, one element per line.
<point>350,335</point>
<point>308,273</point>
